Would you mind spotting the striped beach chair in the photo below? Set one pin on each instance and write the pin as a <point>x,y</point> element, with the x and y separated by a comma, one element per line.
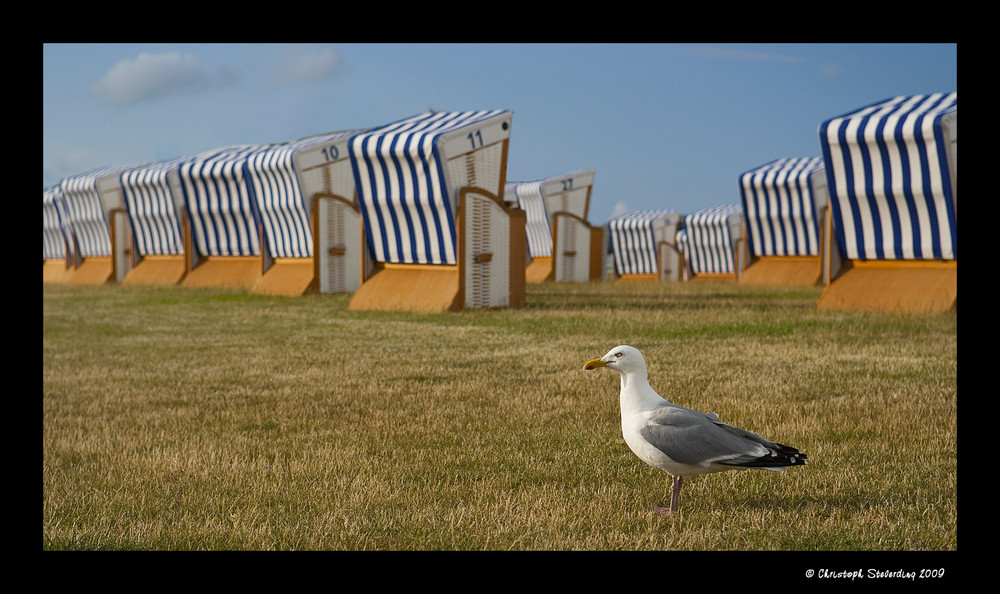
<point>643,245</point>
<point>95,212</point>
<point>430,190</point>
<point>538,229</point>
<point>225,248</point>
<point>784,203</point>
<point>553,204</point>
<point>891,170</point>
<point>57,244</point>
<point>711,242</point>
<point>158,222</point>
<point>311,226</point>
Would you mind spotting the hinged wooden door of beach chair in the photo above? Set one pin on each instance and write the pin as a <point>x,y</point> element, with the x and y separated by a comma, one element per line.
<point>643,246</point>
<point>577,245</point>
<point>712,244</point>
<point>891,170</point>
<point>340,256</point>
<point>57,245</point>
<point>94,204</point>
<point>784,203</point>
<point>155,204</point>
<point>430,189</point>
<point>285,180</point>
<point>544,201</point>
<point>577,249</point>
<point>224,250</point>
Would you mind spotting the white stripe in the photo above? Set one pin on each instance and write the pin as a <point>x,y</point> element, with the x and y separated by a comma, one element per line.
<point>218,199</point>
<point>634,240</point>
<point>537,224</point>
<point>708,243</point>
<point>903,201</point>
<point>55,235</point>
<point>85,213</point>
<point>150,204</point>
<point>780,207</point>
<point>409,214</point>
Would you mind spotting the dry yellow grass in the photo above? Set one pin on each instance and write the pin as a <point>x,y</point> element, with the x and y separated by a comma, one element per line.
<point>208,420</point>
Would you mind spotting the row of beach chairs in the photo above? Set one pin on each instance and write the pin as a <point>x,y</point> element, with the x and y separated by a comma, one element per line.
<point>873,220</point>
<point>418,215</point>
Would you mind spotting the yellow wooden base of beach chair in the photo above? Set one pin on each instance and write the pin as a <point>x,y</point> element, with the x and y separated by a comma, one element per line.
<point>784,271</point>
<point>225,272</point>
<point>485,252</point>
<point>93,271</point>
<point>893,286</point>
<point>157,271</point>
<point>706,277</point>
<point>638,278</point>
<point>288,276</point>
<point>56,272</point>
<point>409,287</point>
<point>539,270</point>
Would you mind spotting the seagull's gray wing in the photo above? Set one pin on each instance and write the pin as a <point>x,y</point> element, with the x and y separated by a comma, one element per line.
<point>691,437</point>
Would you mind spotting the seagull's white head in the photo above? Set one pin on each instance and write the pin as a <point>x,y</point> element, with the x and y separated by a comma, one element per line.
<point>623,359</point>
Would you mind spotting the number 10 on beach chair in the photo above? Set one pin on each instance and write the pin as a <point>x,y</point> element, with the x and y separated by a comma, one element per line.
<point>310,226</point>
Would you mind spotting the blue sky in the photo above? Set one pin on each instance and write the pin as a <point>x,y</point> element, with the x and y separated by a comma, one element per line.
<point>663,125</point>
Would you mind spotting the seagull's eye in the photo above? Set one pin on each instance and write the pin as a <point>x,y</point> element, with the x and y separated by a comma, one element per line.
<point>618,354</point>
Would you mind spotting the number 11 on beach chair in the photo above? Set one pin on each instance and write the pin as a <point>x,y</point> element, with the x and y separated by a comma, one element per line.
<point>430,191</point>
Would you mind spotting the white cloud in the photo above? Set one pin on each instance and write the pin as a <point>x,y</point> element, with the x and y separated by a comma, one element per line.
<point>620,209</point>
<point>150,76</point>
<point>831,71</point>
<point>64,162</point>
<point>299,64</point>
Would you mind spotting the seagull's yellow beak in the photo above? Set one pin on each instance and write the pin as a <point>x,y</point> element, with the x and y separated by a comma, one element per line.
<point>594,364</point>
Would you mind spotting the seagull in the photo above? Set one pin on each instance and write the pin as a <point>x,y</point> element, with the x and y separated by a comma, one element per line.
<point>681,441</point>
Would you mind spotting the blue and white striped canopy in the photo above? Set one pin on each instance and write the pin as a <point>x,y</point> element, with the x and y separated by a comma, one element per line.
<point>537,225</point>
<point>151,206</point>
<point>399,172</point>
<point>218,198</point>
<point>55,234</point>
<point>889,179</point>
<point>278,198</point>
<point>85,212</point>
<point>707,241</point>
<point>634,243</point>
<point>780,207</point>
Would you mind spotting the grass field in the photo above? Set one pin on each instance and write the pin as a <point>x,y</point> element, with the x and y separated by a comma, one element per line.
<point>182,419</point>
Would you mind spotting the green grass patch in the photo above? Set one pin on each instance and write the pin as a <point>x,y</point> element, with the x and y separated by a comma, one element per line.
<point>216,420</point>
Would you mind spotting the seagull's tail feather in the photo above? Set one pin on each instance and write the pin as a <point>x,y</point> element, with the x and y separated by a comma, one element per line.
<point>764,453</point>
<point>778,457</point>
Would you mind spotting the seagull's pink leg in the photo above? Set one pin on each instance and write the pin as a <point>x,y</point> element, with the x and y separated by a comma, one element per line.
<point>675,493</point>
<point>675,498</point>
